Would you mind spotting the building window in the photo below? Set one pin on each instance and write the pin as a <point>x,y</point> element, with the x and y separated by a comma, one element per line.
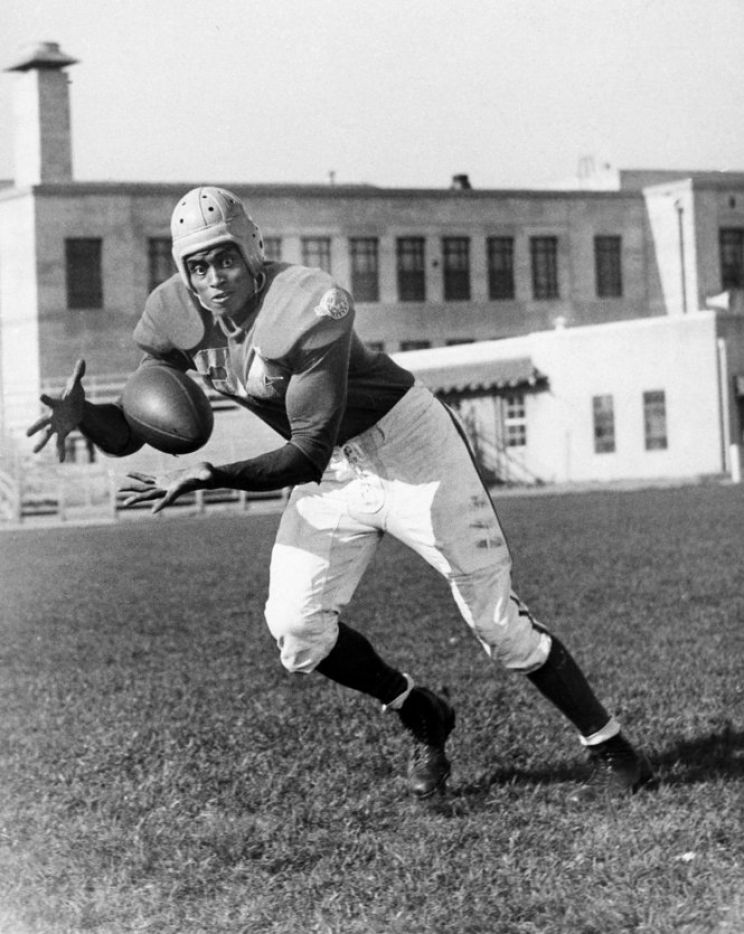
<point>515,420</point>
<point>608,266</point>
<point>500,267</point>
<point>456,262</point>
<point>415,345</point>
<point>411,272</point>
<point>732,257</point>
<point>365,285</point>
<point>603,410</point>
<point>84,276</point>
<point>316,251</point>
<point>655,420</point>
<point>544,252</point>
<point>273,249</point>
<point>159,261</point>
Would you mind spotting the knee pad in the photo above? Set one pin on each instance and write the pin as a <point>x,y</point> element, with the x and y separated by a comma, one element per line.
<point>304,640</point>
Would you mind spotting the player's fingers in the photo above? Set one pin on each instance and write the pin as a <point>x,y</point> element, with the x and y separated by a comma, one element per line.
<point>141,477</point>
<point>143,496</point>
<point>169,496</point>
<point>40,423</point>
<point>137,489</point>
<point>48,400</point>
<point>61,448</point>
<point>40,444</point>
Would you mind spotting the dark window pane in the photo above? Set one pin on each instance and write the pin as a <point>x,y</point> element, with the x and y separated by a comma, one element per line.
<point>603,411</point>
<point>456,262</point>
<point>365,284</point>
<point>500,267</point>
<point>608,266</point>
<point>655,420</point>
<point>84,277</point>
<point>160,261</point>
<point>732,257</point>
<point>544,252</point>
<point>411,271</point>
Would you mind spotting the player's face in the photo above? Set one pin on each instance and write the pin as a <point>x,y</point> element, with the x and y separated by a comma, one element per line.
<point>221,279</point>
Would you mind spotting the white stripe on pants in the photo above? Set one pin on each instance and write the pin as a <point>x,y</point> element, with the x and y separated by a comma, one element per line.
<point>411,475</point>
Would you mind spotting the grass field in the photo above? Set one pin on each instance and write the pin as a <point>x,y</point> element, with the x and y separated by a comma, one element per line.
<point>161,773</point>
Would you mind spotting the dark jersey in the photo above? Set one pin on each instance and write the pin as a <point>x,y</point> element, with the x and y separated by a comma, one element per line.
<point>294,360</point>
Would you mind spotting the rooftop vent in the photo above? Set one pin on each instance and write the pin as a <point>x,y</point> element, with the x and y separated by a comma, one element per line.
<point>460,183</point>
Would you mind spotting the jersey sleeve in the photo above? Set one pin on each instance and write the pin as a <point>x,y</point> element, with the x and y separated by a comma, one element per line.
<point>316,395</point>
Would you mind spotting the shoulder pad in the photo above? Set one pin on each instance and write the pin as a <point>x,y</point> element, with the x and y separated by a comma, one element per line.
<point>172,319</point>
<point>301,306</point>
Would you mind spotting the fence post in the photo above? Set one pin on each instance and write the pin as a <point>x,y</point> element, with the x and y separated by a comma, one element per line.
<point>113,509</point>
<point>61,506</point>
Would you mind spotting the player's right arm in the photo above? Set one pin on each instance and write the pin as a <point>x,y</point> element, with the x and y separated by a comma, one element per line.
<point>103,424</point>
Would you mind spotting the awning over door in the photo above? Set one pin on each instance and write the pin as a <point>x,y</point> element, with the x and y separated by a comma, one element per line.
<point>473,376</point>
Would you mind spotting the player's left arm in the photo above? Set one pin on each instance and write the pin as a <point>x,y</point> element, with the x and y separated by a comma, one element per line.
<point>315,400</point>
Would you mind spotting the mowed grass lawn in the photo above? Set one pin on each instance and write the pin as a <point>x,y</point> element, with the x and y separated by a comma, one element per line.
<point>162,773</point>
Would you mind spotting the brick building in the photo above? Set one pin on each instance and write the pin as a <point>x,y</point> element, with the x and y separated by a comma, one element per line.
<point>428,268</point>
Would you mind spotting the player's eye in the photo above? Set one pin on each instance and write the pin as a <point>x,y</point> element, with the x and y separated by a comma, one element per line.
<point>198,269</point>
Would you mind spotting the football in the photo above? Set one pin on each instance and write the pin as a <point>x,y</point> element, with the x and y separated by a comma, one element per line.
<point>167,409</point>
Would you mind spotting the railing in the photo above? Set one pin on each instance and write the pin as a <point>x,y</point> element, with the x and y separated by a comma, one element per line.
<point>10,498</point>
<point>499,465</point>
<point>69,492</point>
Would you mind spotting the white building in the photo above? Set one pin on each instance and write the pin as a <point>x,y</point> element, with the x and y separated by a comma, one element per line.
<point>647,399</point>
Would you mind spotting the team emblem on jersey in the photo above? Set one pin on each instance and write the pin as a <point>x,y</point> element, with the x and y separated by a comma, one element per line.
<point>334,304</point>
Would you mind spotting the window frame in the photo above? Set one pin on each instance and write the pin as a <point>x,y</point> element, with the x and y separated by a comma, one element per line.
<point>501,285</point>
<point>608,265</point>
<point>544,265</point>
<point>273,249</point>
<point>160,263</point>
<point>410,263</point>
<point>603,423</point>
<point>655,420</point>
<point>732,270</point>
<point>515,419</point>
<point>456,269</point>
<point>364,261</point>
<point>316,252</point>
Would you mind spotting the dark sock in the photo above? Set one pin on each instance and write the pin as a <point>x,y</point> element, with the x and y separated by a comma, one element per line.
<point>354,663</point>
<point>563,683</point>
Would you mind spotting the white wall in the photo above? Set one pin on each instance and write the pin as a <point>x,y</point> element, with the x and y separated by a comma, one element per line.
<point>676,355</point>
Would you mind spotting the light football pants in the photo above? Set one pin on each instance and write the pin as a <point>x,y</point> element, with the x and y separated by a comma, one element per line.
<point>411,475</point>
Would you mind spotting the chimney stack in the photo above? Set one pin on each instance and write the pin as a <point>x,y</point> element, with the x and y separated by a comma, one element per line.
<point>42,141</point>
<point>460,183</point>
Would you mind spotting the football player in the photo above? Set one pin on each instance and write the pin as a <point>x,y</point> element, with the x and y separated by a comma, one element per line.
<point>368,451</point>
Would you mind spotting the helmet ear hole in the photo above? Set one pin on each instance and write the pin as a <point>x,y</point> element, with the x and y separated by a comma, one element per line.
<point>208,216</point>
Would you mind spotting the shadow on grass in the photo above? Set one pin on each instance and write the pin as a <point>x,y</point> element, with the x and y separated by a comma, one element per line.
<point>717,755</point>
<point>704,758</point>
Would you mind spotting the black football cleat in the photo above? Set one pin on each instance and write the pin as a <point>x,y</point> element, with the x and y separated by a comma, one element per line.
<point>617,771</point>
<point>430,719</point>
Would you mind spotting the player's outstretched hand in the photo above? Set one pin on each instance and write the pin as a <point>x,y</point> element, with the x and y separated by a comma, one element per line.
<point>163,489</point>
<point>65,413</point>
